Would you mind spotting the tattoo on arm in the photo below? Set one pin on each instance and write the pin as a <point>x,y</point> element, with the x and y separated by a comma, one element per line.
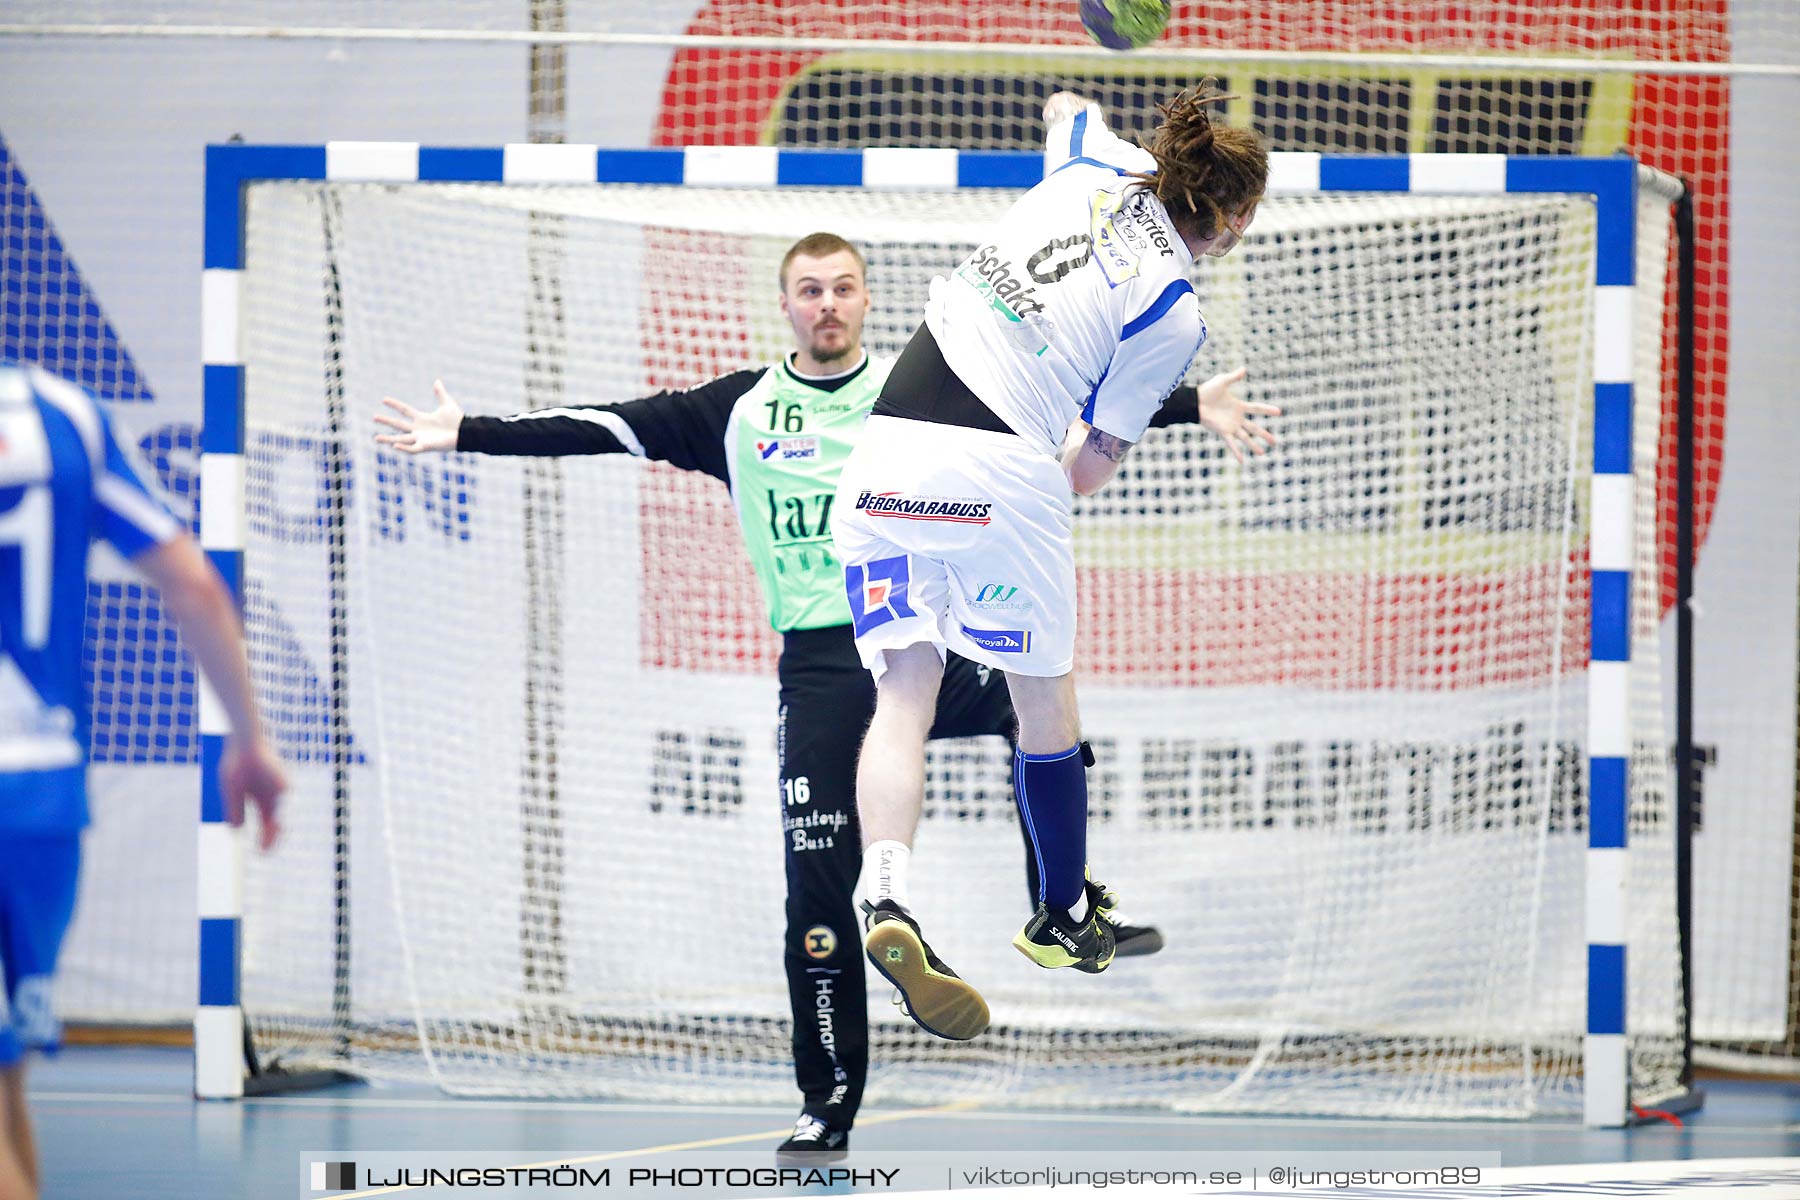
<point>1108,446</point>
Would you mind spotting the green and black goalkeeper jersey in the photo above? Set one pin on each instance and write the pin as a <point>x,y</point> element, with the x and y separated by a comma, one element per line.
<point>776,438</point>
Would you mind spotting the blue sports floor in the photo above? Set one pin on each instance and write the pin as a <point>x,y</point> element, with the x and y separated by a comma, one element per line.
<point>121,1122</point>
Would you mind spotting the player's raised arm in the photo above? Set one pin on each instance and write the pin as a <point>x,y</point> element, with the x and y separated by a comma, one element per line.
<point>1075,129</point>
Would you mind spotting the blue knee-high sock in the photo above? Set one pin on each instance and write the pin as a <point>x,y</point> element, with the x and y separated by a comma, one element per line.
<point>1052,793</point>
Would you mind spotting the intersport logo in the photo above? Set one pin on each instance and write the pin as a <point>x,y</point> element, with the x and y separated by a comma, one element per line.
<point>787,449</point>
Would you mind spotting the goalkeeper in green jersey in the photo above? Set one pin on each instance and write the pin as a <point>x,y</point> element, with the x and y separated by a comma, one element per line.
<point>818,395</point>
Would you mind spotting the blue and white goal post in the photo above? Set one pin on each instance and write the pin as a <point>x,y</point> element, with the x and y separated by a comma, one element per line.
<point>1613,489</point>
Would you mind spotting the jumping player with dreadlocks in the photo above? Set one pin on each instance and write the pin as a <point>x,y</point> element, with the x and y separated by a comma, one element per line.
<point>825,387</point>
<point>1042,358</point>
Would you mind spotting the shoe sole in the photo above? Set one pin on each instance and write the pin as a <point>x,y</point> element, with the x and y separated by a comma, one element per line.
<point>806,1158</point>
<point>1053,958</point>
<point>1147,940</point>
<point>942,1005</point>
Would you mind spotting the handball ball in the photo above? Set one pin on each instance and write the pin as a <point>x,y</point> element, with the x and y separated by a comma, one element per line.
<point>1125,24</point>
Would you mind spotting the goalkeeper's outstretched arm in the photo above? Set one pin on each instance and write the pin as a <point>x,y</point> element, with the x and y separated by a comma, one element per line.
<point>418,432</point>
<point>1214,405</point>
<point>685,429</point>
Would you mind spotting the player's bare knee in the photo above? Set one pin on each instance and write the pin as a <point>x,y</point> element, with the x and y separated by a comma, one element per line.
<point>1049,718</point>
<point>907,687</point>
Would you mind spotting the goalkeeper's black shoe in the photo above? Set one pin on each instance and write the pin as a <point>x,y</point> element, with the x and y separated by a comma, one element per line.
<point>1130,939</point>
<point>1053,938</point>
<point>814,1141</point>
<point>932,994</point>
<point>1134,941</point>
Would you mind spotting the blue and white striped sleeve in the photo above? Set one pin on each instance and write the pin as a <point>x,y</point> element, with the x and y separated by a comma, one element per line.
<point>1157,344</point>
<point>1084,137</point>
<point>126,515</point>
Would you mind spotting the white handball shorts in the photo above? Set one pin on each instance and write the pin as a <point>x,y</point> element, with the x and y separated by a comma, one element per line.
<point>961,538</point>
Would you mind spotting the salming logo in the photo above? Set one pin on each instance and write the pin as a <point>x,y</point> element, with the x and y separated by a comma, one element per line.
<point>884,873</point>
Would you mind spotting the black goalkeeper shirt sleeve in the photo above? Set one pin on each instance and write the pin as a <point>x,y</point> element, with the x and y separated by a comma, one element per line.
<point>1181,408</point>
<point>685,429</point>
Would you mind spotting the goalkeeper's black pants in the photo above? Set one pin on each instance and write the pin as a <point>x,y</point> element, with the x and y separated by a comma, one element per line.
<point>826,702</point>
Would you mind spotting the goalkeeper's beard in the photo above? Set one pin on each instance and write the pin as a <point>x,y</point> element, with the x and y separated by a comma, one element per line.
<point>824,353</point>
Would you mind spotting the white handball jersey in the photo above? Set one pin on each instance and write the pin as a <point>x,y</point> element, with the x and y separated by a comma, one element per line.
<point>1077,303</point>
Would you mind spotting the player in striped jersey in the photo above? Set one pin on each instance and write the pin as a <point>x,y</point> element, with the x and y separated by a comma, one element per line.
<point>63,483</point>
<point>1042,358</point>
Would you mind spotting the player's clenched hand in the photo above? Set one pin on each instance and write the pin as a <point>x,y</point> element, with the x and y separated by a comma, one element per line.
<point>1062,106</point>
<point>251,770</point>
<point>1229,417</point>
<point>421,431</point>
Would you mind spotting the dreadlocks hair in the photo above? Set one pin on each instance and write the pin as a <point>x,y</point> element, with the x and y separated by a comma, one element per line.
<point>1205,173</point>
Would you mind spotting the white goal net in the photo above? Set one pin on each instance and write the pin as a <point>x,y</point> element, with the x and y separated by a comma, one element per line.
<point>1338,694</point>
